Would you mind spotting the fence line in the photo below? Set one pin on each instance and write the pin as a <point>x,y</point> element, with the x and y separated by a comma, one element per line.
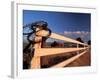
<point>35,63</point>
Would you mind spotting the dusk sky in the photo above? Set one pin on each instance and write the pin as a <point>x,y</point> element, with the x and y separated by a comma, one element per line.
<point>72,25</point>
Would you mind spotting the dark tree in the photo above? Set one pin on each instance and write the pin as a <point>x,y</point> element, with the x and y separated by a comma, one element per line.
<point>54,44</point>
<point>80,40</point>
<point>89,42</point>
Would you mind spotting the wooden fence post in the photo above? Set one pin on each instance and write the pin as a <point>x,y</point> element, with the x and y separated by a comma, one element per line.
<point>35,62</point>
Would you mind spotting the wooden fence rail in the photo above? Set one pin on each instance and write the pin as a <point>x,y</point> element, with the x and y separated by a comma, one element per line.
<point>52,51</point>
<point>60,37</point>
<point>66,62</point>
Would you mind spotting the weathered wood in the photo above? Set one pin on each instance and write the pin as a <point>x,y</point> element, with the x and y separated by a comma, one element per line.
<point>60,37</point>
<point>52,51</point>
<point>68,61</point>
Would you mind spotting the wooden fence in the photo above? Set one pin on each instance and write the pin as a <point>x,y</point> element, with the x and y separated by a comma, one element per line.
<point>35,62</point>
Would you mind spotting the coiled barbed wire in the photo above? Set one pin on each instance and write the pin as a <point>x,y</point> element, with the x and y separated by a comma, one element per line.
<point>42,25</point>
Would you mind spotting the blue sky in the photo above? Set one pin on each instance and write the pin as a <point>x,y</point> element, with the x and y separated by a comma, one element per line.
<point>68,24</point>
